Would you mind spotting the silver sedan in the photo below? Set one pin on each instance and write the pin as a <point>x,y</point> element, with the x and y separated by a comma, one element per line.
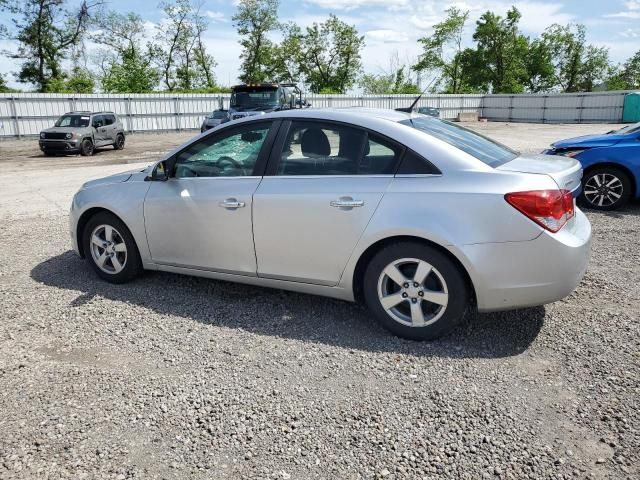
<point>418,218</point>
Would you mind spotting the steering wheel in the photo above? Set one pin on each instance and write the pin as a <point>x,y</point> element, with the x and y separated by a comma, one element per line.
<point>220,163</point>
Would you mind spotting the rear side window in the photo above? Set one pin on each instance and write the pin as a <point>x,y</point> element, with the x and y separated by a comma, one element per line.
<point>414,164</point>
<point>109,119</point>
<point>484,149</point>
<point>319,148</point>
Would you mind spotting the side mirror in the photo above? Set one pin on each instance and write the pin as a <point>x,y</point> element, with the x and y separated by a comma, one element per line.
<point>159,173</point>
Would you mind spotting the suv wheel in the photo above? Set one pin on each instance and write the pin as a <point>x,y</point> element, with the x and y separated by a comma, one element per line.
<point>605,188</point>
<point>415,291</point>
<point>86,148</point>
<point>111,249</point>
<point>119,143</point>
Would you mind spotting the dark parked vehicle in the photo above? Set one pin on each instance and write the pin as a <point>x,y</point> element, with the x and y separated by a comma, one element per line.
<point>214,119</point>
<point>81,133</point>
<point>611,164</point>
<point>432,112</point>
<point>250,100</point>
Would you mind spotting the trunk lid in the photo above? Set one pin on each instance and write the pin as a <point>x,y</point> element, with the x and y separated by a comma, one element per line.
<point>565,171</point>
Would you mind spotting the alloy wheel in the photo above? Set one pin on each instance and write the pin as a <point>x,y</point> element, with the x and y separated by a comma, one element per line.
<point>603,189</point>
<point>413,292</point>
<point>108,249</point>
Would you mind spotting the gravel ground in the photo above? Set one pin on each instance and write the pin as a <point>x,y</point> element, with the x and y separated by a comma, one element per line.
<point>177,377</point>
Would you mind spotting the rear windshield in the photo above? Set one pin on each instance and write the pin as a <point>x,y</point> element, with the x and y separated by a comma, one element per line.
<point>484,149</point>
<point>73,121</point>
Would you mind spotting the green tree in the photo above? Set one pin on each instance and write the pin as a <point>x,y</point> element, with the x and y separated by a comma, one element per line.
<point>46,32</point>
<point>539,67</point>
<point>577,65</point>
<point>436,57</point>
<point>330,55</point>
<point>396,80</point>
<point>286,57</point>
<point>173,41</point>
<point>126,63</point>
<point>499,66</point>
<point>627,76</point>
<point>254,20</point>
<point>4,88</point>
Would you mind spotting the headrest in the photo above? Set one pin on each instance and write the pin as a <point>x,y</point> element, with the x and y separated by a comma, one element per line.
<point>314,143</point>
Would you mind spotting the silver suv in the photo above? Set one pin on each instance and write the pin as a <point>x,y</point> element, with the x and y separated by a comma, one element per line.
<point>82,132</point>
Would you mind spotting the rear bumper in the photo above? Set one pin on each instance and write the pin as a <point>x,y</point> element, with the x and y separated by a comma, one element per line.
<point>524,274</point>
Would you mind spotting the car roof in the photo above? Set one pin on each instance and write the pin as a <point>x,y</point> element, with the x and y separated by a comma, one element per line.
<point>87,112</point>
<point>347,114</point>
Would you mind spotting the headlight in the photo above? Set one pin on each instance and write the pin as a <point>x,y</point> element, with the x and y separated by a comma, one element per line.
<point>42,135</point>
<point>69,136</point>
<point>571,153</point>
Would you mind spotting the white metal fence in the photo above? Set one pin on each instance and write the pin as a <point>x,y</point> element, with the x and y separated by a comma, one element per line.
<point>23,114</point>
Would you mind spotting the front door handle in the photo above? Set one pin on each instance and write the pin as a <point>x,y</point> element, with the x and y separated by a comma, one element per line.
<point>346,202</point>
<point>231,203</point>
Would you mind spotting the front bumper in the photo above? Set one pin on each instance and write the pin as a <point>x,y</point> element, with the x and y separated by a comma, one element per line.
<point>524,274</point>
<point>60,146</point>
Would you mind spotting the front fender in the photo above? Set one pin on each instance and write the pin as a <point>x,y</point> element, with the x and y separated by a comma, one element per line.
<point>125,200</point>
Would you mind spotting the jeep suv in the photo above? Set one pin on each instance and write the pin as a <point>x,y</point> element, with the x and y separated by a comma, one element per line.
<point>82,132</point>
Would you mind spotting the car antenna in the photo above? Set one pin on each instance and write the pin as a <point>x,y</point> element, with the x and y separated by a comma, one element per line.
<point>410,109</point>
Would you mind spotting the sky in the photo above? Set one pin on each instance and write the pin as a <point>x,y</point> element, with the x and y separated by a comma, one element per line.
<point>392,27</point>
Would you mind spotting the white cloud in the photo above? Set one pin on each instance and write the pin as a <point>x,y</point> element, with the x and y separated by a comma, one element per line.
<point>632,10</point>
<point>630,33</point>
<point>386,36</point>
<point>352,4</point>
<point>215,16</point>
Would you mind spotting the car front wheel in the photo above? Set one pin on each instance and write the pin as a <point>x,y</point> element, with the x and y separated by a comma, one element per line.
<point>86,148</point>
<point>415,291</point>
<point>111,249</point>
<point>605,188</point>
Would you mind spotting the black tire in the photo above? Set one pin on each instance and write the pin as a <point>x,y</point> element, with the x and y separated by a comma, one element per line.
<point>86,147</point>
<point>454,281</point>
<point>606,196</point>
<point>48,153</point>
<point>119,143</point>
<point>132,265</point>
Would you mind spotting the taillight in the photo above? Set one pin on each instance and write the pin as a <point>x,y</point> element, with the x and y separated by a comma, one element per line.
<point>550,209</point>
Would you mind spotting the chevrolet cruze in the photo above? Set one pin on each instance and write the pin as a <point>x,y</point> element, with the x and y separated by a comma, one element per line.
<point>418,218</point>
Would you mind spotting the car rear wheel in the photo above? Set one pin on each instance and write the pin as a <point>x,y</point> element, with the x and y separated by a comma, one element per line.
<point>119,143</point>
<point>415,291</point>
<point>605,188</point>
<point>111,249</point>
<point>86,148</point>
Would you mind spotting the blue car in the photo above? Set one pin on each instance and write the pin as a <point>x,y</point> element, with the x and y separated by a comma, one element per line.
<point>611,164</point>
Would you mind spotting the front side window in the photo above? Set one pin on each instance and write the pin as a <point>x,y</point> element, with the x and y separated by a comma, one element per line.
<point>73,121</point>
<point>316,148</point>
<point>98,121</point>
<point>484,149</point>
<point>231,153</point>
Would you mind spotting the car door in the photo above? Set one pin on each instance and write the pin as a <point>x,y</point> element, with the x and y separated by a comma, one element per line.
<point>323,183</point>
<point>99,130</point>
<point>201,216</point>
<point>109,128</point>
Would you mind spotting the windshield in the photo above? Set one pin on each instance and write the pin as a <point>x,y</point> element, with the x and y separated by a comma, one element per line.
<point>254,97</point>
<point>218,114</point>
<point>633,128</point>
<point>73,121</point>
<point>484,149</point>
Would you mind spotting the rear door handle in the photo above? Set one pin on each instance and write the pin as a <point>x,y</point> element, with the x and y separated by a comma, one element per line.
<point>231,203</point>
<point>346,202</point>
